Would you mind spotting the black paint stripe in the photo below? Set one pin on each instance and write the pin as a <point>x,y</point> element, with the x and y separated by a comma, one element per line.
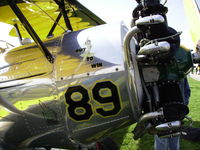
<point>1,88</point>
<point>24,77</point>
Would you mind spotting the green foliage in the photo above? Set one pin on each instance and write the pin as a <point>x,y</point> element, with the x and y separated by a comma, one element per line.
<point>124,137</point>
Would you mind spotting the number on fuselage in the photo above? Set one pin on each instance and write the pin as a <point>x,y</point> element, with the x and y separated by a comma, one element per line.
<point>80,101</point>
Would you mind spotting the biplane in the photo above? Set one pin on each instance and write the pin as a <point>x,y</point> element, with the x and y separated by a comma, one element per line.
<point>75,79</point>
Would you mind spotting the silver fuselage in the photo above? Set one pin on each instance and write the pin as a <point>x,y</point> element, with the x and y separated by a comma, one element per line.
<point>87,92</point>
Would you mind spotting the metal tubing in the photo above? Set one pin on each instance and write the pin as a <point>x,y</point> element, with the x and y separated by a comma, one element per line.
<point>133,72</point>
<point>127,40</point>
<point>143,125</point>
<point>54,25</point>
<point>169,126</point>
<point>148,116</point>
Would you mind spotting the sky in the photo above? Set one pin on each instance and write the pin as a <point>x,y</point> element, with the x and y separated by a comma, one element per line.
<point>121,10</point>
<point>117,10</point>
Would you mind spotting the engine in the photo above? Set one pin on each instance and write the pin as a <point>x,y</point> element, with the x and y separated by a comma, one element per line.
<point>163,65</point>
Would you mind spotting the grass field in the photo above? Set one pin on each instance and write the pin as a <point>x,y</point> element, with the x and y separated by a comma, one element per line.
<point>126,142</point>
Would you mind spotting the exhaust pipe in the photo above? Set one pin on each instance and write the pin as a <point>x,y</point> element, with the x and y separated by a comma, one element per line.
<point>169,126</point>
<point>143,124</point>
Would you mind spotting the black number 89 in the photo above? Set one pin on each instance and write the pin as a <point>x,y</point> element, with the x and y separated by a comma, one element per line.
<point>83,102</point>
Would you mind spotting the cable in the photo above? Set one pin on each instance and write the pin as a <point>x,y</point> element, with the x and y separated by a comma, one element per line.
<point>7,43</point>
<point>164,38</point>
<point>165,2</point>
<point>45,13</point>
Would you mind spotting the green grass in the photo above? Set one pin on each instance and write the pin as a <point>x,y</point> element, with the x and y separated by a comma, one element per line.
<point>194,106</point>
<point>124,137</point>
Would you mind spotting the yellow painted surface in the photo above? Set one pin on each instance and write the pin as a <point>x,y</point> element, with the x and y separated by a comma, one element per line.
<point>24,62</point>
<point>39,20</point>
<point>193,19</point>
<point>28,60</point>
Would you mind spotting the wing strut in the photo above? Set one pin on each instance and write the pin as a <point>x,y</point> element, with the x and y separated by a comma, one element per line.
<point>54,25</point>
<point>61,5</point>
<point>18,32</point>
<point>30,30</point>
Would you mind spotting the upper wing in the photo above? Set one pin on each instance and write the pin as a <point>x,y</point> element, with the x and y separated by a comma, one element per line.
<point>42,15</point>
<point>193,16</point>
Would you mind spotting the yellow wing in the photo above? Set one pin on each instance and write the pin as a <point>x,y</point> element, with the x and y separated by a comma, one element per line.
<point>42,15</point>
<point>193,17</point>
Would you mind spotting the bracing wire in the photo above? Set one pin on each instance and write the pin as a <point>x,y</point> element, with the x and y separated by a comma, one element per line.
<point>45,13</point>
<point>164,38</point>
<point>7,43</point>
<point>165,2</point>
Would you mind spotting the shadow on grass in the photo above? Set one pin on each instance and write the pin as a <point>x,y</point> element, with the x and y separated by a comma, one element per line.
<point>124,139</point>
<point>193,140</point>
<point>147,142</point>
<point>121,136</point>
